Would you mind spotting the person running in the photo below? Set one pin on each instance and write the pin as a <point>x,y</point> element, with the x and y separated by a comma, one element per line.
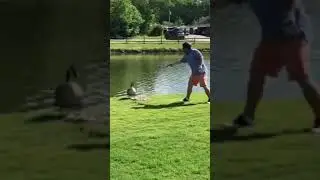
<point>195,60</point>
<point>285,43</point>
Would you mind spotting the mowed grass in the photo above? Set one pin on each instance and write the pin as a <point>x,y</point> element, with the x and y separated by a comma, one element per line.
<point>49,151</point>
<point>160,139</point>
<point>278,148</point>
<point>156,46</point>
<point>159,39</point>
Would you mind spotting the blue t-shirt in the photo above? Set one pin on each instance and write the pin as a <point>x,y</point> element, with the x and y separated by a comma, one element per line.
<point>195,60</point>
<point>281,19</point>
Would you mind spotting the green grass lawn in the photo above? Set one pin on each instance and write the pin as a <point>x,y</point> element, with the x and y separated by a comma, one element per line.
<point>278,148</point>
<point>147,38</point>
<point>155,46</point>
<point>49,151</point>
<point>162,139</point>
<point>159,38</point>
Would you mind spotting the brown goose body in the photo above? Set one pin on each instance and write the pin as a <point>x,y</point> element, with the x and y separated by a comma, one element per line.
<point>69,94</point>
<point>132,91</point>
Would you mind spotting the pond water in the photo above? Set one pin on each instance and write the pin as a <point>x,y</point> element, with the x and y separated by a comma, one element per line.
<point>34,60</point>
<point>236,33</point>
<point>150,74</point>
<point>29,87</point>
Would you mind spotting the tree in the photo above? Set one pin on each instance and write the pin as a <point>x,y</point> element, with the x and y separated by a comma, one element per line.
<point>179,22</point>
<point>187,10</point>
<point>202,20</point>
<point>148,14</point>
<point>125,18</point>
<point>130,17</point>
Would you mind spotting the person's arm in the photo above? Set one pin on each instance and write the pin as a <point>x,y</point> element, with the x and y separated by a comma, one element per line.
<point>183,60</point>
<point>175,63</point>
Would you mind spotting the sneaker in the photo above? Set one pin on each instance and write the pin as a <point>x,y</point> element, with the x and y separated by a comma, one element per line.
<point>209,100</point>
<point>242,121</point>
<point>185,100</point>
<point>316,126</point>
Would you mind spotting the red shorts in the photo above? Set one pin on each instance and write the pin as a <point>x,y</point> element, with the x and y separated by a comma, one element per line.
<point>198,79</point>
<point>270,57</point>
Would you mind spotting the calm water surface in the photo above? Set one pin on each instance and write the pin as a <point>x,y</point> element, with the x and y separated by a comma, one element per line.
<point>33,89</point>
<point>150,74</point>
<point>39,41</point>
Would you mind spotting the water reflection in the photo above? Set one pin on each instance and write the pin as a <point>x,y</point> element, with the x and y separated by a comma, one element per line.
<point>150,74</point>
<point>35,96</point>
<point>39,40</point>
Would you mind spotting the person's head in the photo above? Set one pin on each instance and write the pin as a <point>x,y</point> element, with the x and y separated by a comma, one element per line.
<point>186,46</point>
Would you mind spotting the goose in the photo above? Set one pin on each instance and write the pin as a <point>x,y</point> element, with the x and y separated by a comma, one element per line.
<point>69,94</point>
<point>132,91</point>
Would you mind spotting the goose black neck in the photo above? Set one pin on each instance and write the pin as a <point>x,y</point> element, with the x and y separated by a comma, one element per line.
<point>68,77</point>
<point>71,70</point>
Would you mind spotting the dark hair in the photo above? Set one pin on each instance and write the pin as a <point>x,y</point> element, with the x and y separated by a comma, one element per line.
<point>186,45</point>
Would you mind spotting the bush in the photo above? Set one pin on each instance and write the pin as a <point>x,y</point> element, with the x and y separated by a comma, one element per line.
<point>156,30</point>
<point>125,19</point>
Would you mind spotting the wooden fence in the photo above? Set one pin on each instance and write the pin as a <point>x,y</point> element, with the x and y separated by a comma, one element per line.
<point>159,40</point>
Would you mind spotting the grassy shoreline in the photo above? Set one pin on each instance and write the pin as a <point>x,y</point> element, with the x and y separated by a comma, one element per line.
<point>160,138</point>
<point>150,51</point>
<point>139,48</point>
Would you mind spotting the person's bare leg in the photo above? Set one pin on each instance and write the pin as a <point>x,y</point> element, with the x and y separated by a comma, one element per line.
<point>254,93</point>
<point>311,94</point>
<point>189,89</point>
<point>206,90</point>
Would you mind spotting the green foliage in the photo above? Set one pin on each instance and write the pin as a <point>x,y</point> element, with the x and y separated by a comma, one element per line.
<point>187,10</point>
<point>147,13</point>
<point>202,20</point>
<point>179,22</point>
<point>167,23</point>
<point>156,30</point>
<point>131,17</point>
<point>125,19</point>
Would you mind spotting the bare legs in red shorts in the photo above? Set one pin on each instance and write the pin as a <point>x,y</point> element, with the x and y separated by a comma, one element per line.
<point>269,58</point>
<point>194,80</point>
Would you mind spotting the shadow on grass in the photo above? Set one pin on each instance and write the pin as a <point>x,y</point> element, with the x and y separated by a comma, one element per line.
<point>124,98</point>
<point>89,146</point>
<point>45,118</point>
<point>96,134</point>
<point>225,134</point>
<point>38,106</point>
<point>41,106</point>
<point>161,106</point>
